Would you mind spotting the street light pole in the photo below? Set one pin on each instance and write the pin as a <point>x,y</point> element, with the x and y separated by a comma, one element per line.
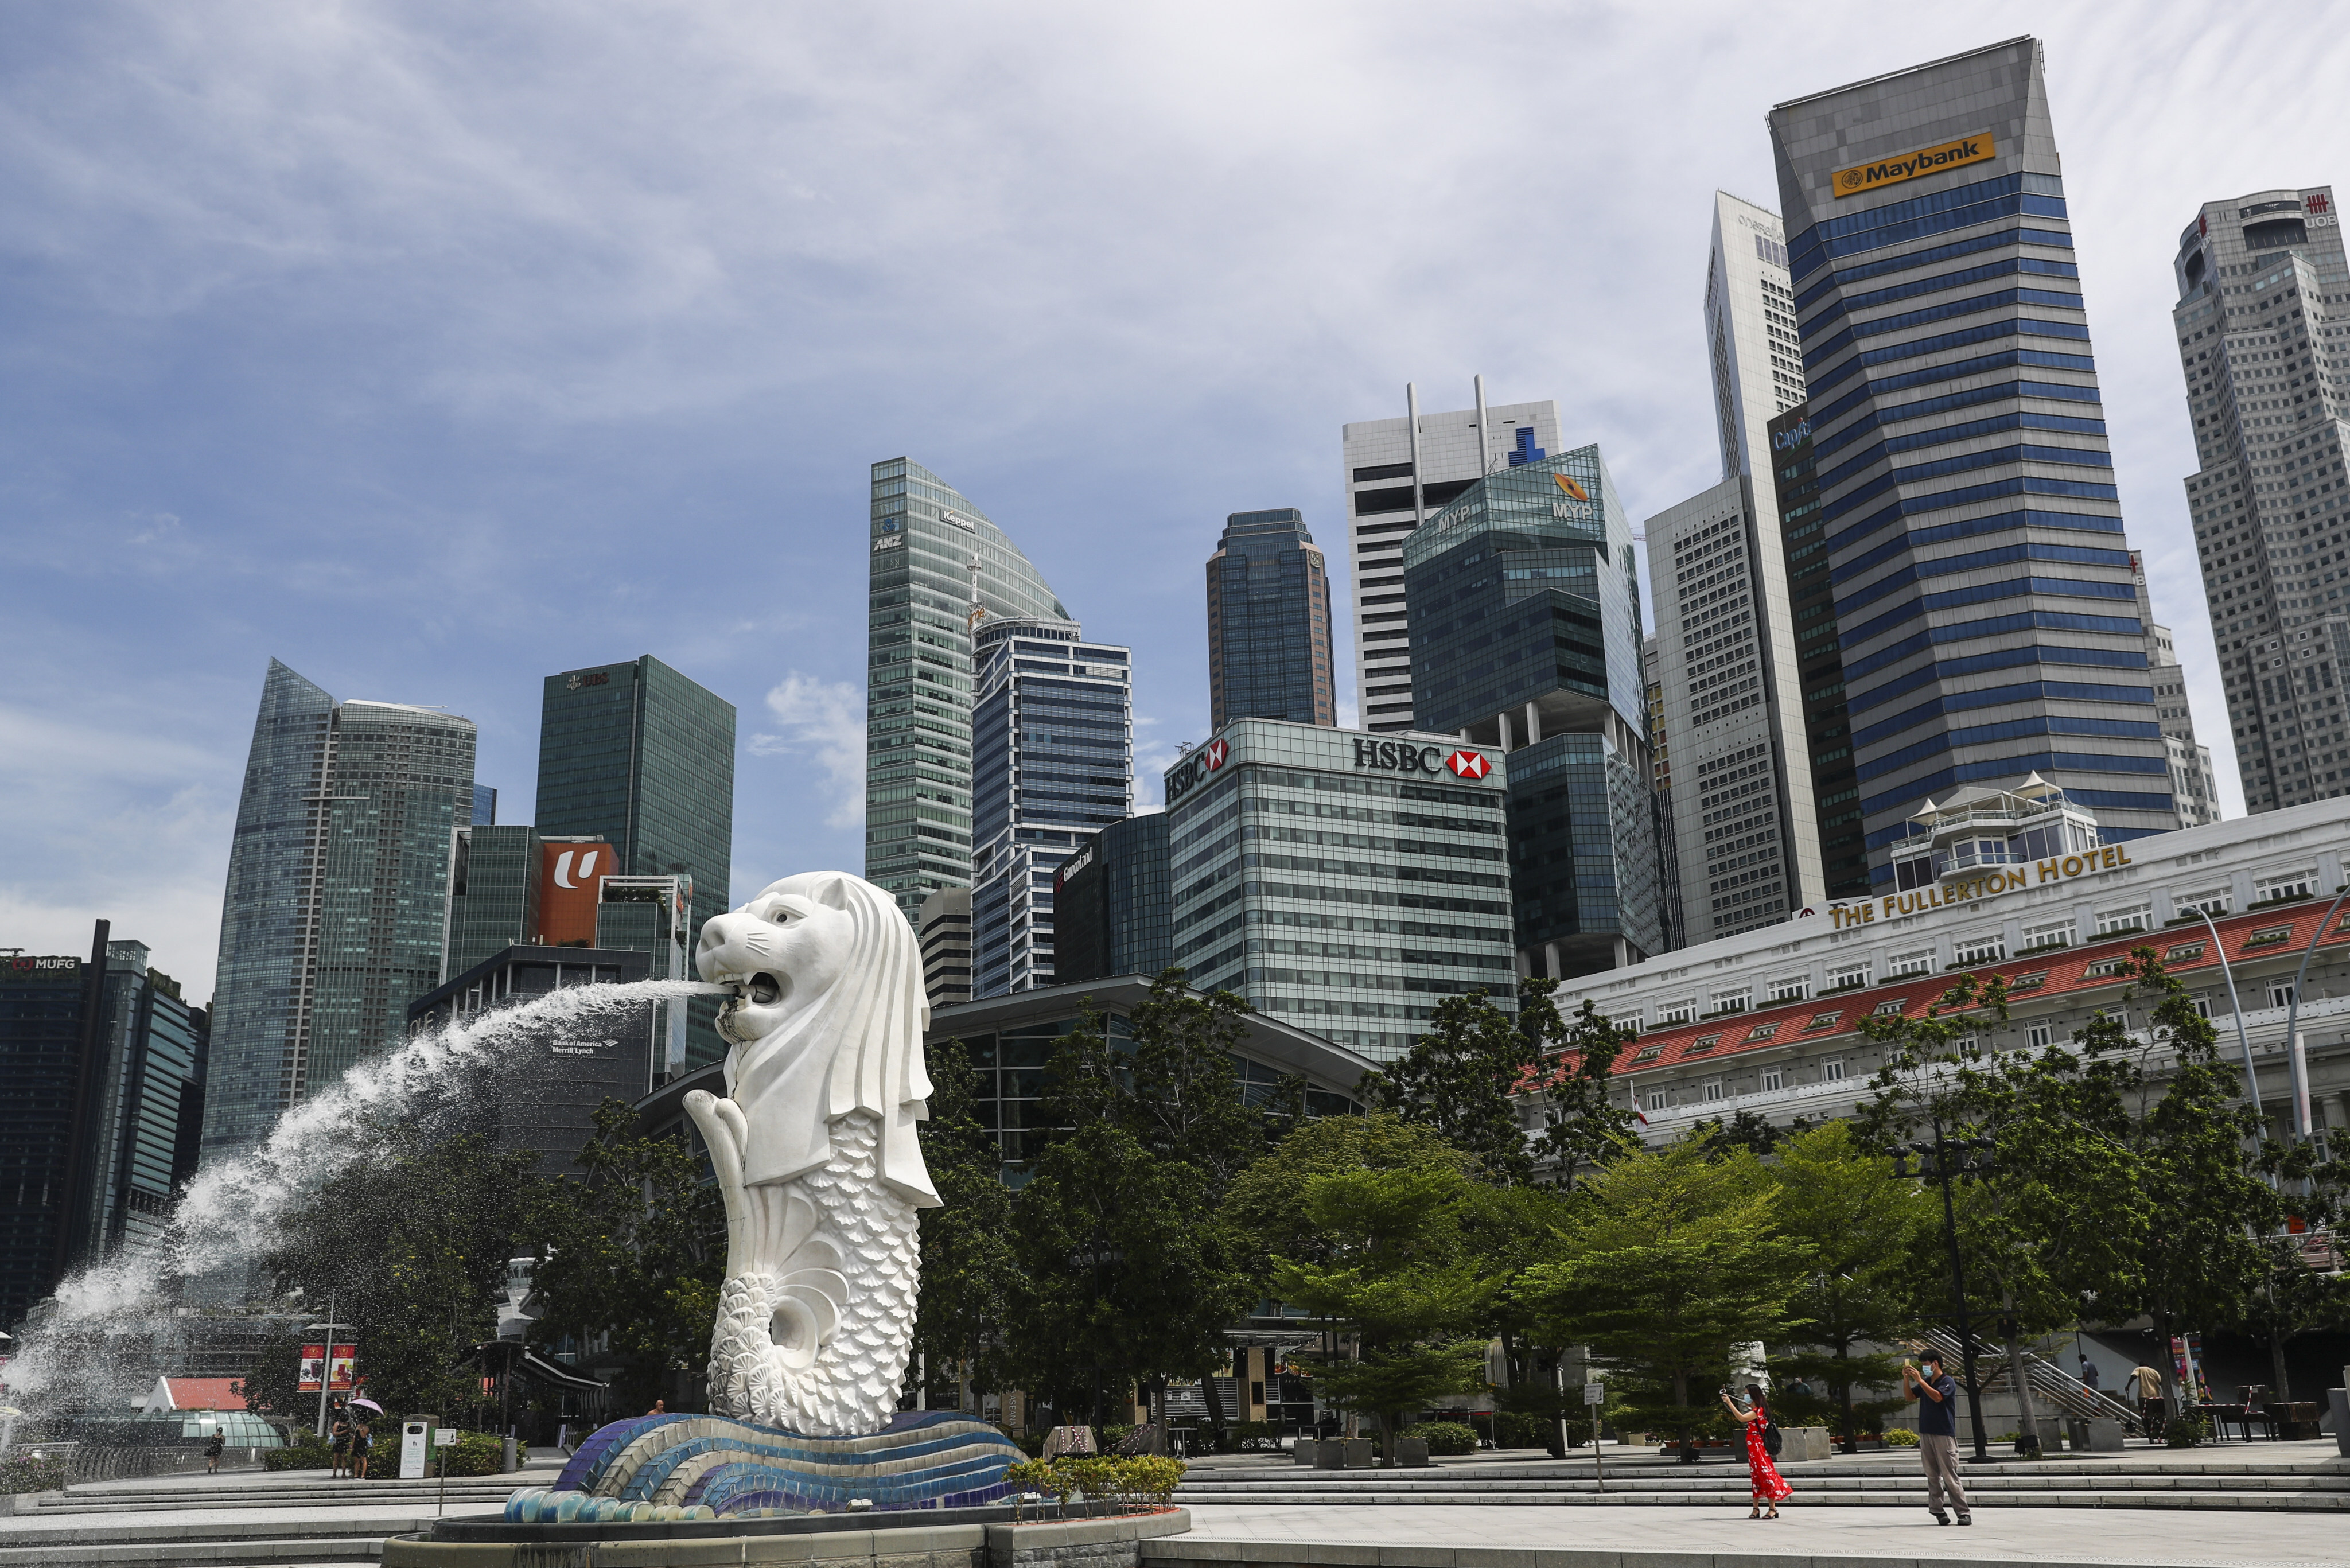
<point>326,1362</point>
<point>1941,1172</point>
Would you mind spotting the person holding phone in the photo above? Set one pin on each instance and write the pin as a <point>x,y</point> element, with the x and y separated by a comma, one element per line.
<point>1937,1436</point>
<point>1769,1486</point>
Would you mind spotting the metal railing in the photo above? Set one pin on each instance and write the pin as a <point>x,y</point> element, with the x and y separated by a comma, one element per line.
<point>2049,1382</point>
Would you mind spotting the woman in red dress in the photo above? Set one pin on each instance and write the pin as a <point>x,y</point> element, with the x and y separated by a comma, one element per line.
<point>1770,1486</point>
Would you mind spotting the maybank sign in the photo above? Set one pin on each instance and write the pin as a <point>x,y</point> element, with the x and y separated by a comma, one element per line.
<point>1968,889</point>
<point>1884,171</point>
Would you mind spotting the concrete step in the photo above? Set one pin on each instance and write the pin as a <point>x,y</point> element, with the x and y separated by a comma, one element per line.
<point>315,1551</point>
<point>31,1546</point>
<point>103,1504</point>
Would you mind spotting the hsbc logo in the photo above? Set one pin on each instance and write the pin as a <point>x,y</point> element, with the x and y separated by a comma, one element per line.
<point>1467,764</point>
<point>1402,756</point>
<point>1195,770</point>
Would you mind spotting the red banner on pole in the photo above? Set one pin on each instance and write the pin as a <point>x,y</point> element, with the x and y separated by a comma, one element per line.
<point>314,1361</point>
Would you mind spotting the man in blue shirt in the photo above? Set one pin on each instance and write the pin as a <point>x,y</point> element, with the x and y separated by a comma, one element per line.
<point>1938,1434</point>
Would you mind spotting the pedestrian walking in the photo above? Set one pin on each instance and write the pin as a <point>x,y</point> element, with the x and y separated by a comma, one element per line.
<point>2088,1374</point>
<point>2147,1384</point>
<point>362,1439</point>
<point>212,1451</point>
<point>1769,1486</point>
<point>342,1446</point>
<point>1937,1436</point>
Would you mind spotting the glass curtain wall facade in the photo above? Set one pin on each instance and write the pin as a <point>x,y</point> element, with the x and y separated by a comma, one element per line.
<point>494,881</point>
<point>938,564</point>
<point>1527,639</point>
<point>337,886</point>
<point>1052,763</point>
<point>643,758</point>
<point>45,1004</point>
<point>1344,882</point>
<point>1398,473</point>
<point>147,1106</point>
<point>1989,625</point>
<point>1110,904</point>
<point>1826,736</point>
<point>1269,654</point>
<point>2263,330</point>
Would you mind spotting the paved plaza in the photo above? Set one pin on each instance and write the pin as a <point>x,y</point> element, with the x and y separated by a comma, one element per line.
<point>1825,1535</point>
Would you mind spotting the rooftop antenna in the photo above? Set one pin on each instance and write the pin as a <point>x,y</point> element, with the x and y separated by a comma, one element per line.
<point>1484,452</point>
<point>1411,418</point>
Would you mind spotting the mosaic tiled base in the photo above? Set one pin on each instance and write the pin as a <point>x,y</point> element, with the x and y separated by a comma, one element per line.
<point>709,1466</point>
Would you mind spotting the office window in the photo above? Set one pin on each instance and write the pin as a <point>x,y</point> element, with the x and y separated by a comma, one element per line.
<point>1979,949</point>
<point>2040,1037</point>
<point>1655,1099</point>
<point>1832,1072</point>
<point>1774,1078</point>
<point>2130,918</point>
<point>1911,963</point>
<point>2280,995</point>
<point>1793,989</point>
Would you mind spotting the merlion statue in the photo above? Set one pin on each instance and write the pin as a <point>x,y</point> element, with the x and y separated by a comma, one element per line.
<point>817,1153</point>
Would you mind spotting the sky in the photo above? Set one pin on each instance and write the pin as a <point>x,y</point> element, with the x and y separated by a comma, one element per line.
<point>434,349</point>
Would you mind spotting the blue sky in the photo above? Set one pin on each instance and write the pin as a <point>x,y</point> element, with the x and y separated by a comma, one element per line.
<point>434,349</point>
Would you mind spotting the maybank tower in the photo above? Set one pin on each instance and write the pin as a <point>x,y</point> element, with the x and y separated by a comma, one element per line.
<point>1985,602</point>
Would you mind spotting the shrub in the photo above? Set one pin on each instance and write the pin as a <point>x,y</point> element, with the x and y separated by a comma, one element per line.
<point>1444,1437</point>
<point>1106,1438</point>
<point>29,1472</point>
<point>2186,1432</point>
<point>1900,1437</point>
<point>1520,1429</point>
<point>472,1454</point>
<point>308,1453</point>
<point>1151,1478</point>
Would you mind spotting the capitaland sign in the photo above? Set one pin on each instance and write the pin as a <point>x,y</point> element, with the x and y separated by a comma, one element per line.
<point>1985,885</point>
<point>1863,178</point>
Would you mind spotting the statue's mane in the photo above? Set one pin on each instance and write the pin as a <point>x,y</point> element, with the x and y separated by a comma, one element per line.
<point>856,1046</point>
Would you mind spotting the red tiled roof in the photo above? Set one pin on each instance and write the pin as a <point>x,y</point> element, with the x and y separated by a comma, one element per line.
<point>206,1394</point>
<point>2064,971</point>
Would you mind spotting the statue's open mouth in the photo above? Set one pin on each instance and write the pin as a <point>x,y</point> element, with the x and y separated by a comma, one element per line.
<point>764,989</point>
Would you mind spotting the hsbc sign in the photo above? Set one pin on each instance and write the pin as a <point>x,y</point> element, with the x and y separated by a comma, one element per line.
<point>1402,756</point>
<point>1197,769</point>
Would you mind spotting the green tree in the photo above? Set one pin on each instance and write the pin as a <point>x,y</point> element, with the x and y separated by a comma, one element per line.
<point>636,1251</point>
<point>1458,1081</point>
<point>1266,1204</point>
<point>1862,1224</point>
<point>2201,1257</point>
<point>1395,1268</point>
<point>1672,1259</point>
<point>969,1272</point>
<point>1126,1277</point>
<point>1185,1100</point>
<point>1580,1128</point>
<point>273,1387</point>
<point>410,1245</point>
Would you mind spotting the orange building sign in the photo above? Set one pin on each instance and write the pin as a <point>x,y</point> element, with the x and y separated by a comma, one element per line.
<point>569,878</point>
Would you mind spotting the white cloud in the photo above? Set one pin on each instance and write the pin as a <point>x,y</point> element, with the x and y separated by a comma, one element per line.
<point>822,720</point>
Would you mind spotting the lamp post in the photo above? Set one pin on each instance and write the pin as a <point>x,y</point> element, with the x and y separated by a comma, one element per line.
<point>2295,1062</point>
<point>1935,1164</point>
<point>326,1362</point>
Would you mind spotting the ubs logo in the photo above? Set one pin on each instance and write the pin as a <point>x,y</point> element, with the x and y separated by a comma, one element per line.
<point>596,678</point>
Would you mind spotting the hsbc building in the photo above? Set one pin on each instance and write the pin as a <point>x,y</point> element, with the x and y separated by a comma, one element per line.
<point>1345,882</point>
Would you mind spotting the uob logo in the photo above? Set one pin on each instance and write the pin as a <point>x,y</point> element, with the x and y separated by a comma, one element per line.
<point>586,867</point>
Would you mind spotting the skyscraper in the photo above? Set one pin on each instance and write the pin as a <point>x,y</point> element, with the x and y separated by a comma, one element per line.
<point>1111,904</point>
<point>640,757</point>
<point>938,563</point>
<point>2192,782</point>
<point>146,1106</point>
<point>338,879</point>
<point>1398,473</point>
<point>1819,660</point>
<point>1967,496</point>
<point>1527,639</point>
<point>1744,823</point>
<point>1051,764</point>
<point>1269,649</point>
<point>1749,335</point>
<point>1345,883</point>
<point>1746,852</point>
<point>2264,308</point>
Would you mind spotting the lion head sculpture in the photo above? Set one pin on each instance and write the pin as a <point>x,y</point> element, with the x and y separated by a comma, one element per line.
<point>817,1153</point>
<point>827,1018</point>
